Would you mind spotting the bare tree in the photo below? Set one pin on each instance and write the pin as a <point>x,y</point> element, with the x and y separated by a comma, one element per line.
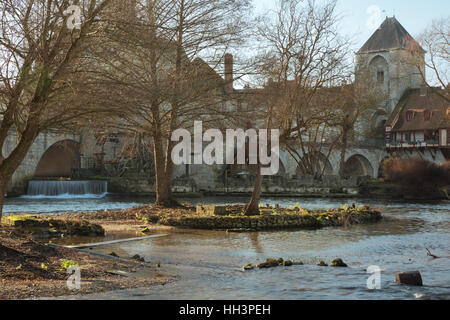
<point>159,75</point>
<point>435,40</point>
<point>40,47</point>
<point>304,55</point>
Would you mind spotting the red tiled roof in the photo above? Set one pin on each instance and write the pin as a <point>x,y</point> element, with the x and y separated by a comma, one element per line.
<point>418,106</point>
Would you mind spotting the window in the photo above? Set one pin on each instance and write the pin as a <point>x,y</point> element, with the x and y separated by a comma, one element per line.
<point>427,115</point>
<point>408,137</point>
<point>409,115</point>
<point>380,76</point>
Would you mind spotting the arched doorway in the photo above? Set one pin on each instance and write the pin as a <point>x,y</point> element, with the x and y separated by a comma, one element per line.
<point>379,69</point>
<point>60,160</point>
<point>358,165</point>
<point>378,123</point>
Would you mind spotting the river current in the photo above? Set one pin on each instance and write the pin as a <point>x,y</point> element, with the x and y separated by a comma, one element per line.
<point>208,264</point>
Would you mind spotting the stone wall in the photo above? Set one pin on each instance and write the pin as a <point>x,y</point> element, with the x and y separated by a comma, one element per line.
<point>273,222</point>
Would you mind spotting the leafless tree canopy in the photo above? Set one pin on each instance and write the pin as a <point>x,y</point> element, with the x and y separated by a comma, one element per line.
<point>155,70</point>
<point>435,40</point>
<point>305,58</point>
<point>39,58</point>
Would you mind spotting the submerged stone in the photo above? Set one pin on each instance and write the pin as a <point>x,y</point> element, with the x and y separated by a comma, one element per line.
<point>322,264</point>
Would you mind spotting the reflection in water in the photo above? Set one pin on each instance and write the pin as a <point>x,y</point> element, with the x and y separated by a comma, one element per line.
<point>208,263</point>
<point>255,242</point>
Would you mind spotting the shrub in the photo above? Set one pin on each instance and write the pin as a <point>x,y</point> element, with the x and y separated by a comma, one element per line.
<point>66,264</point>
<point>417,177</point>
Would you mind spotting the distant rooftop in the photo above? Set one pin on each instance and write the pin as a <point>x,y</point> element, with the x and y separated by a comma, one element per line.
<point>389,36</point>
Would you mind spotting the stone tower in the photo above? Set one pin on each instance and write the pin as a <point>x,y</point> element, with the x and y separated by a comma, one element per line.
<point>387,60</point>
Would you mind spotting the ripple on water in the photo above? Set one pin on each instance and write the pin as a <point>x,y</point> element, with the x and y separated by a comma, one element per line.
<point>208,264</point>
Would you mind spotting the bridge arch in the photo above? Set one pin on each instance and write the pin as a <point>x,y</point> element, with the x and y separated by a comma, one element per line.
<point>59,160</point>
<point>358,165</point>
<point>320,162</point>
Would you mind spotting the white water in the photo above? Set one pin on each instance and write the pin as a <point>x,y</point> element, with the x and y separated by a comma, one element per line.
<point>66,189</point>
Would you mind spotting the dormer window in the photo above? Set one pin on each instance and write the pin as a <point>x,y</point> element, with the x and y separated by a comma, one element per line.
<point>427,115</point>
<point>409,115</point>
<point>380,76</point>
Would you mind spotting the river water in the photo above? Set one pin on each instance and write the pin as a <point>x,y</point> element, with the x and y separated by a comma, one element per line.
<point>208,264</point>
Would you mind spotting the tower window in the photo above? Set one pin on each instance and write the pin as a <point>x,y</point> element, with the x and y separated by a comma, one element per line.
<point>380,76</point>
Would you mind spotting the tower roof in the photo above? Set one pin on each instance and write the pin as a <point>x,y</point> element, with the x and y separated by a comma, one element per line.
<point>389,36</point>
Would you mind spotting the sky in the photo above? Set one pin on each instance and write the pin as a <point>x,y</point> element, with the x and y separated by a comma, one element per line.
<point>414,15</point>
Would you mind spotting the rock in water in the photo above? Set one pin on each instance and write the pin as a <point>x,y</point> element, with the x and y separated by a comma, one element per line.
<point>338,263</point>
<point>138,258</point>
<point>248,267</point>
<point>412,278</point>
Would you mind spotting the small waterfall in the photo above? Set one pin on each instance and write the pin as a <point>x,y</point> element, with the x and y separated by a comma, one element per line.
<point>38,188</point>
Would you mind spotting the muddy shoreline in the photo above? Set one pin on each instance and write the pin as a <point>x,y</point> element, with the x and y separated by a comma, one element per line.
<point>31,269</point>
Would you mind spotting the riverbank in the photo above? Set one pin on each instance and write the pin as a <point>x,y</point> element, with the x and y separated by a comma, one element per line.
<point>208,264</point>
<point>29,269</point>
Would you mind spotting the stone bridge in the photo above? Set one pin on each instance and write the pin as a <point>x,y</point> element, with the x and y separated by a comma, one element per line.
<point>51,155</point>
<point>60,155</point>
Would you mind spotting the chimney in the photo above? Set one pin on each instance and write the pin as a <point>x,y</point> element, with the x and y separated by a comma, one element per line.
<point>423,90</point>
<point>229,73</point>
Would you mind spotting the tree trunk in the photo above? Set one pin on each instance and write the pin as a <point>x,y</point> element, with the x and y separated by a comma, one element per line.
<point>163,173</point>
<point>10,164</point>
<point>252,209</point>
<point>162,196</point>
<point>343,152</point>
<point>2,196</point>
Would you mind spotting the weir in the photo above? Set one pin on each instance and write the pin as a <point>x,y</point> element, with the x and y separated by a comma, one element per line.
<point>69,188</point>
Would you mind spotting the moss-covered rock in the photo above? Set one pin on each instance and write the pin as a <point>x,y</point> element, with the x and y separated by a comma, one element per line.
<point>53,228</point>
<point>288,263</point>
<point>270,263</point>
<point>322,264</point>
<point>338,263</point>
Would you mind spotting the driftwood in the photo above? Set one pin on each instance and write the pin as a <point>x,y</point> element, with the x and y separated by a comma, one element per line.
<point>431,255</point>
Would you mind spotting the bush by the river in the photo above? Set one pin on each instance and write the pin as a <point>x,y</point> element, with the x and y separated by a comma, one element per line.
<point>418,178</point>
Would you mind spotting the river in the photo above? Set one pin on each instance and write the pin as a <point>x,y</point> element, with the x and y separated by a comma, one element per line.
<point>208,264</point>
